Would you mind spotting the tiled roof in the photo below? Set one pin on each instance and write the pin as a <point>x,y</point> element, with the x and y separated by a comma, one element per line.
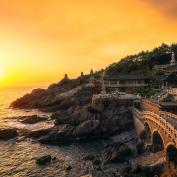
<point>126,77</point>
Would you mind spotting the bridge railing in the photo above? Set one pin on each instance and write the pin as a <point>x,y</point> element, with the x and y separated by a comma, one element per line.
<point>169,115</point>
<point>158,120</point>
<point>163,123</point>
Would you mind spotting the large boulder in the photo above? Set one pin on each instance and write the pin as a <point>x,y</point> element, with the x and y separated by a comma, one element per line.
<point>59,135</point>
<point>44,160</point>
<point>39,133</point>
<point>32,119</point>
<point>116,152</point>
<point>87,128</point>
<point>61,117</point>
<point>6,134</point>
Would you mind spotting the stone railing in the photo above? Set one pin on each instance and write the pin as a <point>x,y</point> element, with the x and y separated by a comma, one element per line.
<point>159,121</point>
<point>169,116</point>
<point>162,123</point>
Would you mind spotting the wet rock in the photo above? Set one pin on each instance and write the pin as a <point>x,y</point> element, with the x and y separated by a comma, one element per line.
<point>59,135</point>
<point>32,119</point>
<point>87,128</point>
<point>39,133</point>
<point>97,162</point>
<point>44,160</point>
<point>6,134</point>
<point>61,117</point>
<point>151,170</point>
<point>68,168</point>
<point>54,158</point>
<point>89,157</point>
<point>116,152</point>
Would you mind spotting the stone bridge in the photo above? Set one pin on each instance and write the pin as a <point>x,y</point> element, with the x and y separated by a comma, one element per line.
<point>161,131</point>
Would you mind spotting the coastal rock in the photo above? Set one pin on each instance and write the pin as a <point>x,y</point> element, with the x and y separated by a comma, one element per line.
<point>89,157</point>
<point>152,170</point>
<point>68,168</point>
<point>116,152</point>
<point>39,133</point>
<point>59,135</point>
<point>81,114</point>
<point>86,122</point>
<point>44,160</point>
<point>61,117</point>
<point>6,134</point>
<point>49,99</point>
<point>87,128</point>
<point>97,162</point>
<point>32,119</point>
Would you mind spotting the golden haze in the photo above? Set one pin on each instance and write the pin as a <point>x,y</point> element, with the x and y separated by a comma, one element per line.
<point>40,40</point>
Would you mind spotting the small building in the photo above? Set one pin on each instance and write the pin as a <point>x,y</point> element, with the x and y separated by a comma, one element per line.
<point>124,81</point>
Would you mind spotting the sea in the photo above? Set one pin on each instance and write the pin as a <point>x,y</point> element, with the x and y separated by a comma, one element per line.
<point>18,157</point>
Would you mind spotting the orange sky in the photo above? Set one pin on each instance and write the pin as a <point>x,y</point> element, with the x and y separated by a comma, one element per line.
<point>40,40</point>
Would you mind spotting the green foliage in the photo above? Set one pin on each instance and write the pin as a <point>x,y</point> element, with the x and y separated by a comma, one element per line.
<point>143,61</point>
<point>150,90</point>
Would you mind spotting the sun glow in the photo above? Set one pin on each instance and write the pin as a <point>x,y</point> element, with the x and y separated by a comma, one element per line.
<point>42,40</point>
<point>2,74</point>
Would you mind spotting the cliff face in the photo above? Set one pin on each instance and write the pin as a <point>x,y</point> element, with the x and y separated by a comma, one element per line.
<point>86,122</point>
<point>48,98</point>
<point>74,117</point>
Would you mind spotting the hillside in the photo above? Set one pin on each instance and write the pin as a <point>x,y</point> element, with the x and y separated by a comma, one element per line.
<point>143,61</point>
<point>52,98</point>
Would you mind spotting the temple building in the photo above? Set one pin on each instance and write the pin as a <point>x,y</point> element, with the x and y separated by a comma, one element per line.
<point>123,82</point>
<point>169,78</point>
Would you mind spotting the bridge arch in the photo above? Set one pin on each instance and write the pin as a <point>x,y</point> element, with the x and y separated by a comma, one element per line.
<point>157,141</point>
<point>148,132</point>
<point>171,153</point>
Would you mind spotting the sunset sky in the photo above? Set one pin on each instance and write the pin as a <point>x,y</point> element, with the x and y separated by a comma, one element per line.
<point>41,40</point>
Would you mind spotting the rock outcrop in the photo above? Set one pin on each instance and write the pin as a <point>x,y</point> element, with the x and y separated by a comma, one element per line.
<point>79,123</point>
<point>44,160</point>
<point>32,119</point>
<point>49,99</point>
<point>6,134</point>
<point>74,116</point>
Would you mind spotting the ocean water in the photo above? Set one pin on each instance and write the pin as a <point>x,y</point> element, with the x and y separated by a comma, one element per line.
<point>17,158</point>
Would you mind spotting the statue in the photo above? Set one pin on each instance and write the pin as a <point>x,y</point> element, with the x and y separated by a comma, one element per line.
<point>91,76</point>
<point>82,74</point>
<point>66,76</point>
<point>173,60</point>
<point>103,91</point>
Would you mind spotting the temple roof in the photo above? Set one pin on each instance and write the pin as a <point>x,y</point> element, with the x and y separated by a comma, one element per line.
<point>170,77</point>
<point>126,77</point>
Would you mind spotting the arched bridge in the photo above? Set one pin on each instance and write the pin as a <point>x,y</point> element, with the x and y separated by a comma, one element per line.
<point>161,129</point>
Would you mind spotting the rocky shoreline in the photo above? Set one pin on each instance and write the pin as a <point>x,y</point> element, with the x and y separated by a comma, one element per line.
<point>77,120</point>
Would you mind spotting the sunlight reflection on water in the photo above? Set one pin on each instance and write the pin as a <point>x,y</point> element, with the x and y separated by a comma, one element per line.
<point>7,95</point>
<point>17,159</point>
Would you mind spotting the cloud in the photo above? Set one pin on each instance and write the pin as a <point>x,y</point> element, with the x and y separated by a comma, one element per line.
<point>169,7</point>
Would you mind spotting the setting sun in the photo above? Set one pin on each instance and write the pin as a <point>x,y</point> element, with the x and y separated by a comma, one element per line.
<point>42,40</point>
